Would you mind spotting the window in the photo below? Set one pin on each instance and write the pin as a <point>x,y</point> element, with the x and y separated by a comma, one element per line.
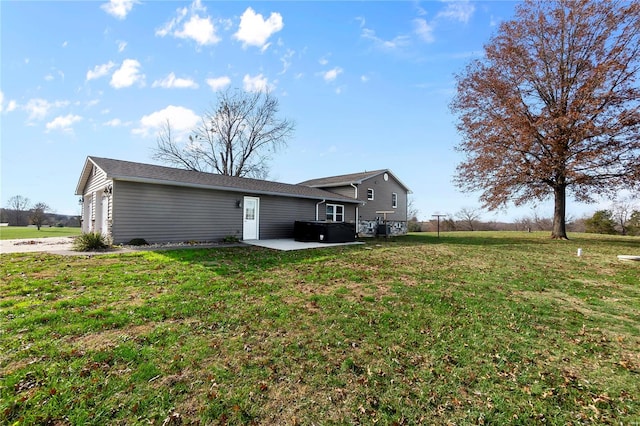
<point>394,200</point>
<point>369,194</point>
<point>335,212</point>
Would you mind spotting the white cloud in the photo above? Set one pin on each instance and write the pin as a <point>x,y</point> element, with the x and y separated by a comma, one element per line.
<point>39,108</point>
<point>127,75</point>
<point>63,123</point>
<point>254,30</point>
<point>364,78</point>
<point>116,122</point>
<point>393,44</point>
<point>332,74</point>
<point>424,30</point>
<point>100,70</point>
<point>169,26</point>
<point>259,83</point>
<point>65,44</point>
<point>171,82</point>
<point>218,83</point>
<point>118,8</point>
<point>51,76</point>
<point>182,121</point>
<point>458,11</point>
<point>286,60</point>
<point>12,105</point>
<point>198,28</point>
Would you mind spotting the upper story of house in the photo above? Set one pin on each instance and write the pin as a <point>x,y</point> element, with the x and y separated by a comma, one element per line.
<point>380,192</point>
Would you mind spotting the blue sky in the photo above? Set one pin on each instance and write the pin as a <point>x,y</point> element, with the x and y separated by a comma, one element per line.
<point>368,85</point>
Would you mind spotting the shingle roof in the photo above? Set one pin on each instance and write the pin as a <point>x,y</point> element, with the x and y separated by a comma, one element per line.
<point>140,172</point>
<point>345,180</point>
<point>341,180</point>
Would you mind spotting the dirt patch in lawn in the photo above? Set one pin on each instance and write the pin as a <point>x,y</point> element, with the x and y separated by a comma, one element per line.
<point>101,340</point>
<point>568,302</point>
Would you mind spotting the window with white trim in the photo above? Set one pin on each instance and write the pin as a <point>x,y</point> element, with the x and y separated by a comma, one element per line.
<point>335,212</point>
<point>369,193</point>
<point>394,200</point>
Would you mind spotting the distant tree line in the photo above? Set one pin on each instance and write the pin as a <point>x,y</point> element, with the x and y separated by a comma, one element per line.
<point>620,220</point>
<point>623,218</point>
<point>20,212</point>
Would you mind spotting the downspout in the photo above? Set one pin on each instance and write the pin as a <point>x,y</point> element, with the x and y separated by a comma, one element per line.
<point>357,205</point>
<point>318,204</point>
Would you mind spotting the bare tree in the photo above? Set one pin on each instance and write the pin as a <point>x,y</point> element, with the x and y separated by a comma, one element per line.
<point>412,215</point>
<point>541,223</point>
<point>633,225</point>
<point>39,214</point>
<point>553,106</point>
<point>19,206</point>
<point>412,210</point>
<point>448,224</point>
<point>621,211</point>
<point>237,138</point>
<point>524,224</point>
<point>469,217</point>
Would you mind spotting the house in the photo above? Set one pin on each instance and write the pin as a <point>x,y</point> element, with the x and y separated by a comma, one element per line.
<point>383,199</point>
<point>127,200</point>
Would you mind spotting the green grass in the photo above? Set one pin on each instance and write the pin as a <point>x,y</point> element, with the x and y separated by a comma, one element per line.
<point>471,328</point>
<point>26,232</point>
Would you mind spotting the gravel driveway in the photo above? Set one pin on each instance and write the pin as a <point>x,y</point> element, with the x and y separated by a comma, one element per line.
<point>56,245</point>
<point>63,245</point>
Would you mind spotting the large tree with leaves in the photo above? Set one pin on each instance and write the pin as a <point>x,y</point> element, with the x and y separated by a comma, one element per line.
<point>236,138</point>
<point>553,106</point>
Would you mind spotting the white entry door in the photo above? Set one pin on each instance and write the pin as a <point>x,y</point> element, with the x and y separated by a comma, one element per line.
<point>251,218</point>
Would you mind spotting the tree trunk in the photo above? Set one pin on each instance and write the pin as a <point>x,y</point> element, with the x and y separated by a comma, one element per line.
<point>559,231</point>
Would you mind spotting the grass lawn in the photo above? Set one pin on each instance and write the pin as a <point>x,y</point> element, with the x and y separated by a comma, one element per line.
<point>20,232</point>
<point>471,328</point>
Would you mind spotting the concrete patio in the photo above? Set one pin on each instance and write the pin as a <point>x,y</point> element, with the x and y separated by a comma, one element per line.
<point>291,244</point>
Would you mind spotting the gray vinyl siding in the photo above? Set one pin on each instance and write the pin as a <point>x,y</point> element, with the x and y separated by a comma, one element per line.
<point>347,191</point>
<point>278,214</point>
<point>382,191</point>
<point>382,199</point>
<point>163,213</point>
<point>92,194</point>
<point>97,181</point>
<point>94,189</point>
